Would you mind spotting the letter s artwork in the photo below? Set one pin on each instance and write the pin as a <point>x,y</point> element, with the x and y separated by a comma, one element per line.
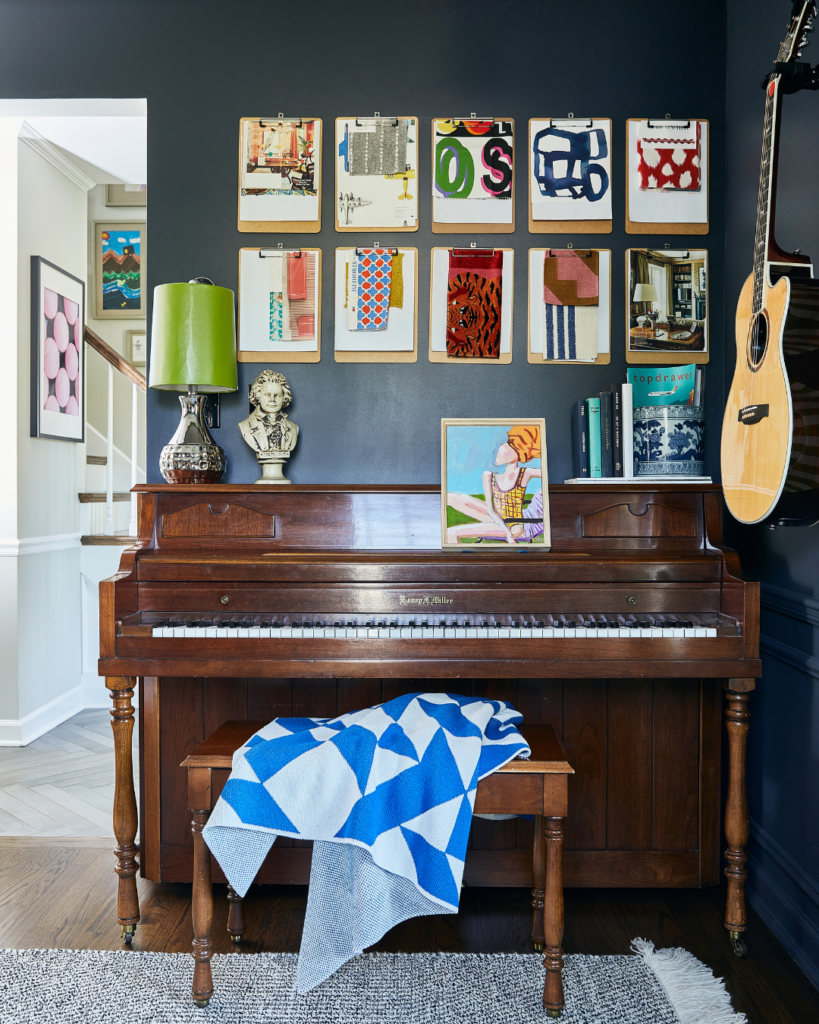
<point>465,148</point>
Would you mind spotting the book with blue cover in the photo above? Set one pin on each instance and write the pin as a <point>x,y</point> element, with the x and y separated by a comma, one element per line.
<point>662,385</point>
<point>593,427</point>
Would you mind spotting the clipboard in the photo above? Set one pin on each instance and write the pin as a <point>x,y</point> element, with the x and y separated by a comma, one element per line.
<point>256,316</point>
<point>507,306</point>
<point>449,227</point>
<point>602,226</point>
<point>698,203</point>
<point>535,354</point>
<point>346,201</point>
<point>661,357</point>
<point>264,219</point>
<point>362,356</point>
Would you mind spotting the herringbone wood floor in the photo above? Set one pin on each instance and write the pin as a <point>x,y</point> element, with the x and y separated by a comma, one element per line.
<point>62,784</point>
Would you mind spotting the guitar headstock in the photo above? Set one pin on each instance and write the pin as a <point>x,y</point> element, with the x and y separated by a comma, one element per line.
<point>800,24</point>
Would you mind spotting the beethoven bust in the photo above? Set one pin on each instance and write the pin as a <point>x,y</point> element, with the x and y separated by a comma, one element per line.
<point>267,428</point>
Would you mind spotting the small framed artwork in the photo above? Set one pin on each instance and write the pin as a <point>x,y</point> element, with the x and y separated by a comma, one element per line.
<point>494,483</point>
<point>667,306</point>
<point>57,353</point>
<point>126,195</point>
<point>136,347</point>
<point>119,270</point>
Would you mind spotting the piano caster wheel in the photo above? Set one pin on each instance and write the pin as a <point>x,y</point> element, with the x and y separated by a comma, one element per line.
<point>201,1003</point>
<point>128,933</point>
<point>737,944</point>
<point>553,1013</point>
<point>236,938</point>
<point>538,947</point>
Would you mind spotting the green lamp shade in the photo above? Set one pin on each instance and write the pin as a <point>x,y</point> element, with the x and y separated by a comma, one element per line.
<point>193,338</point>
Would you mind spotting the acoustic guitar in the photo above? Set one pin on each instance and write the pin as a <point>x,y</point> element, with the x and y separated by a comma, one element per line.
<point>770,433</point>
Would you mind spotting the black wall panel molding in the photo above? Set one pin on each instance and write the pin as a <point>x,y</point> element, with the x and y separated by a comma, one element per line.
<point>792,603</point>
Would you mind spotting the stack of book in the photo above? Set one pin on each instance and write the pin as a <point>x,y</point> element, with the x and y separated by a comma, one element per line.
<point>603,426</point>
<point>602,436</point>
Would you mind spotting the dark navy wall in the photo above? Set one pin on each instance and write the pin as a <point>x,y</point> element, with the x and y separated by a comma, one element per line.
<point>203,65</point>
<point>784,737</point>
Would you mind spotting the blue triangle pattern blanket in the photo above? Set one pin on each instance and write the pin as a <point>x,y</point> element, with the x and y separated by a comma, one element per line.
<point>386,794</point>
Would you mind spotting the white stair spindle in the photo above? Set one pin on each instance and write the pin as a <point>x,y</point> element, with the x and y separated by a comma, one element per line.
<point>109,465</point>
<point>132,525</point>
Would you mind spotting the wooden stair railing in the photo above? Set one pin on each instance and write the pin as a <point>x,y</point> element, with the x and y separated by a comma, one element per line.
<point>116,361</point>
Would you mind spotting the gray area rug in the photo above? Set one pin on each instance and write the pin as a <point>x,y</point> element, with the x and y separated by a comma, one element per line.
<point>95,987</point>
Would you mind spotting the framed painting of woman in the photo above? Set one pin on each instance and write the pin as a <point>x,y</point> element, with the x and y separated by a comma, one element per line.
<point>494,483</point>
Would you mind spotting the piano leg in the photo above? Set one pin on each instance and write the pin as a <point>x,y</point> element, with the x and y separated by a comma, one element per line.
<point>736,810</point>
<point>538,876</point>
<point>125,808</point>
<point>553,999</point>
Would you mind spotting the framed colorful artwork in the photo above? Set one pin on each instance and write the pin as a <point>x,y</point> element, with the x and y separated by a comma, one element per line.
<point>119,270</point>
<point>136,347</point>
<point>57,353</point>
<point>494,483</point>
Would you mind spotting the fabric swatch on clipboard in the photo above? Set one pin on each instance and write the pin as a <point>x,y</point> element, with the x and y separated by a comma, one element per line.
<point>397,281</point>
<point>368,306</point>
<point>380,148</point>
<point>473,159</point>
<point>668,156</point>
<point>302,311</point>
<point>571,294</point>
<point>279,320</point>
<point>473,304</point>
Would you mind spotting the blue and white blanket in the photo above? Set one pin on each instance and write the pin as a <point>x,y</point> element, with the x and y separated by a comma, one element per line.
<point>386,793</point>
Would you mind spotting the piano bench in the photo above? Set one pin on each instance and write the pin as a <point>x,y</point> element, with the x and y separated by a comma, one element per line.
<point>538,787</point>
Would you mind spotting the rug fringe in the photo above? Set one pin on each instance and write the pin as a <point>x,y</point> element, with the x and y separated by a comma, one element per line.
<point>696,995</point>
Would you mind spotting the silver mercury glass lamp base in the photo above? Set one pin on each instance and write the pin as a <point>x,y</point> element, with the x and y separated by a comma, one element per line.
<point>192,456</point>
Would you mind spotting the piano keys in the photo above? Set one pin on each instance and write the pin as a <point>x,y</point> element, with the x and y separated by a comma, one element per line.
<point>249,602</point>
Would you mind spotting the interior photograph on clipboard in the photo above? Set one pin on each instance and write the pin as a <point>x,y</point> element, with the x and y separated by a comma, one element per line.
<point>279,170</point>
<point>492,473</point>
<point>473,175</point>
<point>667,304</point>
<point>377,173</point>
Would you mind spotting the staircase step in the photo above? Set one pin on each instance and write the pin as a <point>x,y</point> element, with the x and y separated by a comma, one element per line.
<point>96,460</point>
<point>86,497</point>
<point>118,539</point>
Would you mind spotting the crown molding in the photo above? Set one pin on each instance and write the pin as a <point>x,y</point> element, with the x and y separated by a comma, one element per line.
<point>49,152</point>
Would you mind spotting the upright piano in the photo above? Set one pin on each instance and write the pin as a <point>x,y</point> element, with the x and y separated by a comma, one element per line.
<point>252,602</point>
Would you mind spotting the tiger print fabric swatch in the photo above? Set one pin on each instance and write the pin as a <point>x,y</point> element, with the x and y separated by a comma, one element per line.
<point>473,310</point>
<point>368,305</point>
<point>669,156</point>
<point>571,293</point>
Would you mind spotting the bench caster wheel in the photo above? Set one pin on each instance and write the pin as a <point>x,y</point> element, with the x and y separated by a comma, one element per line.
<point>201,1003</point>
<point>538,947</point>
<point>737,944</point>
<point>128,933</point>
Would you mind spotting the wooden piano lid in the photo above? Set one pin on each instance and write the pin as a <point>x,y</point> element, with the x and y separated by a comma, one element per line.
<point>548,756</point>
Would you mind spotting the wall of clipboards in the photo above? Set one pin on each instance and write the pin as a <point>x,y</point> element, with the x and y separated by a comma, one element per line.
<point>453,233</point>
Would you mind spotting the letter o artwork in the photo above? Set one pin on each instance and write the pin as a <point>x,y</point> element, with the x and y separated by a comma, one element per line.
<point>459,186</point>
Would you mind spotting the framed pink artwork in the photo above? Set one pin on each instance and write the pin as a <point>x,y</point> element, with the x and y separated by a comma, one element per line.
<point>57,353</point>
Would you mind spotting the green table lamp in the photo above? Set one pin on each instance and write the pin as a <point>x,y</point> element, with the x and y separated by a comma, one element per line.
<point>193,349</point>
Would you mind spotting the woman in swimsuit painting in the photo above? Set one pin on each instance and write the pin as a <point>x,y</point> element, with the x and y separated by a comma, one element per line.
<point>500,515</point>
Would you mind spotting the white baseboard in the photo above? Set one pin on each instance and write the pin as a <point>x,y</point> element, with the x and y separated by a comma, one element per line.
<point>94,693</point>
<point>17,732</point>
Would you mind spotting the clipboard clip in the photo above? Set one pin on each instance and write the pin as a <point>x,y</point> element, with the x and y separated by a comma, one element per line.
<point>281,251</point>
<point>570,122</point>
<point>473,252</point>
<point>281,119</point>
<point>375,245</point>
<point>681,254</point>
<point>668,123</point>
<point>472,117</point>
<point>376,117</point>
<point>577,252</point>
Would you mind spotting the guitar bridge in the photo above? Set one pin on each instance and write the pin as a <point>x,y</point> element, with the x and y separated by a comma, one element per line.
<point>751,414</point>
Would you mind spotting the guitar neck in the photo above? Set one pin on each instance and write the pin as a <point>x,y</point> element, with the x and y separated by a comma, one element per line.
<point>764,244</point>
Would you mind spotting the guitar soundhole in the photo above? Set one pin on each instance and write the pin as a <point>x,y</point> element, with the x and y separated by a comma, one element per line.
<point>757,341</point>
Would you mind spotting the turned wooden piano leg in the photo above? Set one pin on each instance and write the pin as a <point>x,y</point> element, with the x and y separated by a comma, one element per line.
<point>553,999</point>
<point>538,876</point>
<point>125,808</point>
<point>236,923</point>
<point>202,912</point>
<point>737,828</point>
